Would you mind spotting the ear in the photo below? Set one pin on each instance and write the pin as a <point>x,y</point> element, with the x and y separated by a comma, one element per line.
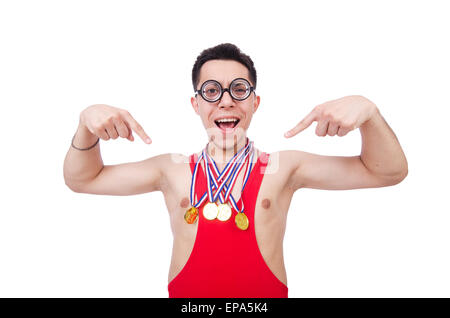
<point>194,104</point>
<point>256,101</point>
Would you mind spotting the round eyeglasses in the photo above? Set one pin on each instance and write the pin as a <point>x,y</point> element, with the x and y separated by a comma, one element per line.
<point>211,90</point>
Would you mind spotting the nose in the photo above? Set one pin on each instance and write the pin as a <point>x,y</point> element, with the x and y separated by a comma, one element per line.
<point>226,100</point>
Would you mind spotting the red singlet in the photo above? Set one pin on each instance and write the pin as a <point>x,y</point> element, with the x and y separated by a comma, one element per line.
<point>225,261</point>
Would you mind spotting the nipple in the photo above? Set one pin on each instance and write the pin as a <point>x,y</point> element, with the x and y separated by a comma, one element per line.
<point>184,203</point>
<point>265,203</point>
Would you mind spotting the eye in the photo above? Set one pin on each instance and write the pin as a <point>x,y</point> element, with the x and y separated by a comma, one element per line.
<point>211,90</point>
<point>240,89</point>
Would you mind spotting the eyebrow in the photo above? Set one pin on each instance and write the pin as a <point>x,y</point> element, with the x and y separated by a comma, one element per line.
<point>228,84</point>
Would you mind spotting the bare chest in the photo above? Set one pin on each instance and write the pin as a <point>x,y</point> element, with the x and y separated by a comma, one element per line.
<point>270,212</point>
<point>271,199</point>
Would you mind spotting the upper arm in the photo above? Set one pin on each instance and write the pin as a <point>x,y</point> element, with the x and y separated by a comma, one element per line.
<point>127,178</point>
<point>333,172</point>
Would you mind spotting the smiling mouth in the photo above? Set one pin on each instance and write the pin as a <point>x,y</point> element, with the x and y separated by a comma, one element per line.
<point>227,124</point>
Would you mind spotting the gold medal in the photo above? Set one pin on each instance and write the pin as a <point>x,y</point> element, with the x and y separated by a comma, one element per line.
<point>191,215</point>
<point>210,211</point>
<point>224,212</point>
<point>241,221</point>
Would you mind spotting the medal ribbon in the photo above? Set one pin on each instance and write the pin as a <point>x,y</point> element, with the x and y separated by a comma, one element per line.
<point>227,172</point>
<point>210,179</point>
<point>222,174</point>
<point>246,176</point>
<point>193,182</point>
<point>235,173</point>
<point>243,153</point>
<point>231,174</point>
<point>247,170</point>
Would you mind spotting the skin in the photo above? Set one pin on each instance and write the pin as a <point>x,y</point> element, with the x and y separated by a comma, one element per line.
<point>223,147</point>
<point>381,163</point>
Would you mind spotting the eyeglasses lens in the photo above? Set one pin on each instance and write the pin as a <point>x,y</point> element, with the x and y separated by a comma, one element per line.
<point>240,89</point>
<point>211,91</point>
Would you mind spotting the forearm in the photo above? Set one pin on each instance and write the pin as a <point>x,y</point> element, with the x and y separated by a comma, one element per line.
<point>82,166</point>
<point>381,152</point>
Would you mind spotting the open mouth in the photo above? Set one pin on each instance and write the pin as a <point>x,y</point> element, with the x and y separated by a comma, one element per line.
<point>227,123</point>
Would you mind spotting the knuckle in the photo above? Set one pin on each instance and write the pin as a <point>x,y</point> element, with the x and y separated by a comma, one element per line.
<point>327,113</point>
<point>346,124</point>
<point>113,117</point>
<point>342,122</point>
<point>124,112</point>
<point>97,128</point>
<point>338,120</point>
<point>318,110</point>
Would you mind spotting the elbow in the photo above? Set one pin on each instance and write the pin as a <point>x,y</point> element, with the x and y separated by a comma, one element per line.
<point>404,172</point>
<point>391,179</point>
<point>400,176</point>
<point>72,186</point>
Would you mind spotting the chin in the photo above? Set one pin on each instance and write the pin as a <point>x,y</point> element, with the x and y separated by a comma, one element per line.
<point>226,138</point>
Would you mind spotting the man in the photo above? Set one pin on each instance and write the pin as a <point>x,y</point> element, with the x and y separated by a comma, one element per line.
<point>228,203</point>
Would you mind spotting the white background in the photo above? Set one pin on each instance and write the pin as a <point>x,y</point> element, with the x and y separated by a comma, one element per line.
<point>58,57</point>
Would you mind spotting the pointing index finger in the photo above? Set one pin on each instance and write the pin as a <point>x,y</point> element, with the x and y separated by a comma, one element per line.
<point>137,128</point>
<point>302,125</point>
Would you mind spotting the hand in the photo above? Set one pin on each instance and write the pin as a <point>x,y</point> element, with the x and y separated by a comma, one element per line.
<point>337,117</point>
<point>110,122</point>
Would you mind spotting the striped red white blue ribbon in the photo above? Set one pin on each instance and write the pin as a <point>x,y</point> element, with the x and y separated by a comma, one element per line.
<point>235,173</point>
<point>226,172</point>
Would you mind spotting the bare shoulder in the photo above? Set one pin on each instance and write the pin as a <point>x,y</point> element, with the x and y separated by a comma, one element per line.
<point>173,161</point>
<point>285,160</point>
<point>281,165</point>
<point>175,171</point>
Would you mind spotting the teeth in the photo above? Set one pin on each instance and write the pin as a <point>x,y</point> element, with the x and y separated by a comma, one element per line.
<point>227,120</point>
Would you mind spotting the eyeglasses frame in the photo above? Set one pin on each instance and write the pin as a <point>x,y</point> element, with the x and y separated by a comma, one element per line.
<point>223,90</point>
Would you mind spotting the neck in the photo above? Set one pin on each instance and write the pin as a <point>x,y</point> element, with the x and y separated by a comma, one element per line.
<point>223,153</point>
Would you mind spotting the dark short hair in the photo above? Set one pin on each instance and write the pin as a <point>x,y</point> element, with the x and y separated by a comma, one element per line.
<point>224,51</point>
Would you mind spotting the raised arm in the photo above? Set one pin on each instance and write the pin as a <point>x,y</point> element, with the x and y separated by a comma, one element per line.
<point>381,163</point>
<point>84,170</point>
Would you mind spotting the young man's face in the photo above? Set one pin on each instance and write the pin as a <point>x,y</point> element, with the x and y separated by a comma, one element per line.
<point>225,135</point>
